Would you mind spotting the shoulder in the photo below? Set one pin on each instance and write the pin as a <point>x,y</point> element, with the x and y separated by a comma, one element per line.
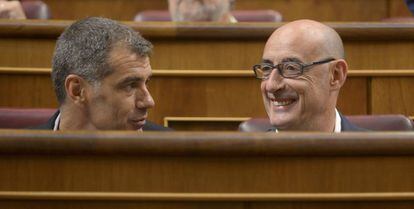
<point>150,126</point>
<point>49,125</point>
<point>346,125</point>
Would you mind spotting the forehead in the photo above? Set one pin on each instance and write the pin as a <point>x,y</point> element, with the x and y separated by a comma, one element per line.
<point>124,62</point>
<point>288,44</point>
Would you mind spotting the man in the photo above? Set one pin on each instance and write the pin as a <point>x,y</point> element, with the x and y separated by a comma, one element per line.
<point>201,10</point>
<point>100,73</point>
<point>302,71</point>
<point>11,10</point>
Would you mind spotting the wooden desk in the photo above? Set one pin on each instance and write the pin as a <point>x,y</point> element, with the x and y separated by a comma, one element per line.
<point>42,169</point>
<point>207,46</point>
<point>322,10</point>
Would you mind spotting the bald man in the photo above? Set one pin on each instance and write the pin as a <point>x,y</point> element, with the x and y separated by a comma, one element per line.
<point>302,70</point>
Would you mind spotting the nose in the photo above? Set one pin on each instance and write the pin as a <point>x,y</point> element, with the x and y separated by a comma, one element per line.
<point>275,81</point>
<point>144,99</point>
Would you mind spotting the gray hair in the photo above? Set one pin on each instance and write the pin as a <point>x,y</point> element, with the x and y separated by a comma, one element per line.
<point>83,49</point>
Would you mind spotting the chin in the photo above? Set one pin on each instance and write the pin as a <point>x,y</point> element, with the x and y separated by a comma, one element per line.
<point>281,123</point>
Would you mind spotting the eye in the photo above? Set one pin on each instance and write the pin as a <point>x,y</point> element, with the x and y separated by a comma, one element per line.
<point>266,69</point>
<point>291,67</point>
<point>130,86</point>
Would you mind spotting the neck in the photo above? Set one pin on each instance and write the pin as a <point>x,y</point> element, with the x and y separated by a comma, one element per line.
<point>324,123</point>
<point>321,123</point>
<point>73,118</point>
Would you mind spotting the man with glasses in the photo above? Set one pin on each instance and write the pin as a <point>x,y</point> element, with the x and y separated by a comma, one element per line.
<point>302,71</point>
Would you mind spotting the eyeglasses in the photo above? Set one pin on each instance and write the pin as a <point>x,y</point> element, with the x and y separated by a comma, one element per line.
<point>289,69</point>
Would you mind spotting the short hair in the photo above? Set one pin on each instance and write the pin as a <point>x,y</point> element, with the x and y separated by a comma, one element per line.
<point>84,47</point>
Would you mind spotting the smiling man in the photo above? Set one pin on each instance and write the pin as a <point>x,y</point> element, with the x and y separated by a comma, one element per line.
<point>302,71</point>
<point>100,73</point>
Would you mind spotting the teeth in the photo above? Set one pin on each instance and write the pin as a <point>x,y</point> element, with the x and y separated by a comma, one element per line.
<point>281,103</point>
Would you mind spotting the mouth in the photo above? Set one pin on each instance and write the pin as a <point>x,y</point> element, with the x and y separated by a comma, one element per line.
<point>138,124</point>
<point>282,102</point>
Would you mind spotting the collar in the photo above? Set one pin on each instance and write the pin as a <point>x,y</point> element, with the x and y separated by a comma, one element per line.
<point>57,122</point>
<point>232,19</point>
<point>338,121</point>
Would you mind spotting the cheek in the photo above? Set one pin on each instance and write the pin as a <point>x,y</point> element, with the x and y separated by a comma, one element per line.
<point>126,101</point>
<point>306,85</point>
<point>120,102</point>
<point>313,91</point>
<point>121,108</point>
<point>263,87</point>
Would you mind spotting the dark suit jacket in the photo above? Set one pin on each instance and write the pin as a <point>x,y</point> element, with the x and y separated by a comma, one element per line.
<point>149,126</point>
<point>348,126</point>
<point>345,125</point>
<point>410,5</point>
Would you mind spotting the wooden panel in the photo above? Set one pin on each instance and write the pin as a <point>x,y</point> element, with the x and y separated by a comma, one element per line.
<point>198,162</point>
<point>115,9</point>
<point>393,95</point>
<point>200,174</point>
<point>31,52</point>
<point>322,10</point>
<point>217,46</point>
<point>379,54</point>
<point>203,123</point>
<point>398,8</point>
<point>213,200</point>
<point>207,54</point>
<point>105,204</point>
<point>221,54</point>
<point>354,96</point>
<point>27,91</point>
<point>202,205</point>
<point>43,169</point>
<point>211,97</point>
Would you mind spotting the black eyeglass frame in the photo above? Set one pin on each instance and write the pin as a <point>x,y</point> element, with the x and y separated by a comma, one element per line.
<point>302,68</point>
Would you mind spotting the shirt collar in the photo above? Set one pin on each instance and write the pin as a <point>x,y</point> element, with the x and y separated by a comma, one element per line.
<point>57,122</point>
<point>338,121</point>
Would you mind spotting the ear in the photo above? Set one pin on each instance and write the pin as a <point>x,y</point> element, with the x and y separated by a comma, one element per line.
<point>338,74</point>
<point>75,89</point>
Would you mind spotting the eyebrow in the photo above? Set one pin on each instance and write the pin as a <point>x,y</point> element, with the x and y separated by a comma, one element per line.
<point>129,80</point>
<point>287,59</point>
<point>267,61</point>
<point>291,59</point>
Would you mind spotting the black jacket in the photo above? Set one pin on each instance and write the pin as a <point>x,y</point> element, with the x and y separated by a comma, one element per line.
<point>149,126</point>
